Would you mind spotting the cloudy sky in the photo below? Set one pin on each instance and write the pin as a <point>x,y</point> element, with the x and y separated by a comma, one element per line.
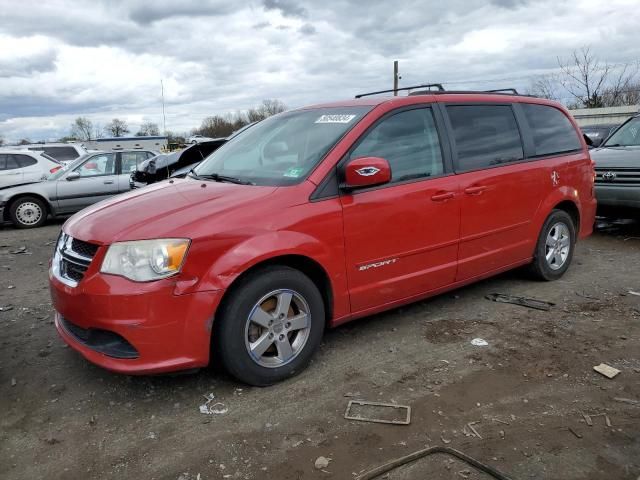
<point>105,58</point>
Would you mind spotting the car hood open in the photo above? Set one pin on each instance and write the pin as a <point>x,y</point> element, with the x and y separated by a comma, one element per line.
<point>617,157</point>
<point>177,208</point>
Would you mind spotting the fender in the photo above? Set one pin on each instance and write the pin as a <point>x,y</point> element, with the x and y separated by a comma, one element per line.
<point>260,248</point>
<point>558,195</point>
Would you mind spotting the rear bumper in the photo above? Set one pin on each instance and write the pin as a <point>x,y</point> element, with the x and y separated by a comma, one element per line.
<point>135,328</point>
<point>623,196</point>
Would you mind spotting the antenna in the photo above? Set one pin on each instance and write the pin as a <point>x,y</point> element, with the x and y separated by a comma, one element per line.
<point>164,119</point>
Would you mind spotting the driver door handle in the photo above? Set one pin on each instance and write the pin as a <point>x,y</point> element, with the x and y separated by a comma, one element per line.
<point>442,196</point>
<point>108,182</point>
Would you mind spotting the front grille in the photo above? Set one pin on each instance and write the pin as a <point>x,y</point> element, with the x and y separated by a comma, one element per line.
<point>618,176</point>
<point>72,258</point>
<point>84,248</point>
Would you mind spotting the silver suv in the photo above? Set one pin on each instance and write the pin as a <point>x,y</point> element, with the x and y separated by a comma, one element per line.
<point>89,179</point>
<point>618,170</point>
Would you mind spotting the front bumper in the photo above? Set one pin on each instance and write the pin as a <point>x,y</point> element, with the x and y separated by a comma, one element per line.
<point>135,328</point>
<point>619,196</point>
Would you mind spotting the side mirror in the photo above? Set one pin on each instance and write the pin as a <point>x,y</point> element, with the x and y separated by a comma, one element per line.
<point>73,176</point>
<point>366,172</point>
<point>588,141</point>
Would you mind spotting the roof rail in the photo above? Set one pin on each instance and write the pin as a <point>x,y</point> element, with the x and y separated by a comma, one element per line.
<point>504,90</point>
<point>438,86</point>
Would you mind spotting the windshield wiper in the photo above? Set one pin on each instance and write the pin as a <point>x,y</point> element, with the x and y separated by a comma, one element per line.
<point>221,178</point>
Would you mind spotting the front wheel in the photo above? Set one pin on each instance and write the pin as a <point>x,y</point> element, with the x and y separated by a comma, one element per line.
<point>270,326</point>
<point>28,212</point>
<point>554,250</point>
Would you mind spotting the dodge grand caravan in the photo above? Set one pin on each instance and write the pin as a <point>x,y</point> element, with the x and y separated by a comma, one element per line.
<point>315,217</point>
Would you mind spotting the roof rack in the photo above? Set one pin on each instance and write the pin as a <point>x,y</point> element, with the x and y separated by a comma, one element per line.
<point>439,89</point>
<point>512,91</point>
<point>438,86</point>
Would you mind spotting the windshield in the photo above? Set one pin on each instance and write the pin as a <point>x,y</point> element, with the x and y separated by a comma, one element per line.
<point>282,149</point>
<point>59,173</point>
<point>628,135</point>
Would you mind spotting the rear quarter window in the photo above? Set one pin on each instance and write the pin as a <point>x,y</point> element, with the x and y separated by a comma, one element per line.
<point>25,160</point>
<point>553,133</point>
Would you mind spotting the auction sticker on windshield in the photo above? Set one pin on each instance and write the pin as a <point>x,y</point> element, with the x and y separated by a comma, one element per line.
<point>335,118</point>
<point>294,172</point>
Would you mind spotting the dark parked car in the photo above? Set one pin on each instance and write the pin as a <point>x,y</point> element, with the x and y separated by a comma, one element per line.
<point>178,163</point>
<point>618,171</point>
<point>164,165</point>
<point>598,133</point>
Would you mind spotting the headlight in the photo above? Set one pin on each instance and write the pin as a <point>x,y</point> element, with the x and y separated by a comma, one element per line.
<point>145,260</point>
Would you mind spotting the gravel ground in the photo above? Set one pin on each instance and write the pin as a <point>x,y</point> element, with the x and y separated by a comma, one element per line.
<point>63,418</point>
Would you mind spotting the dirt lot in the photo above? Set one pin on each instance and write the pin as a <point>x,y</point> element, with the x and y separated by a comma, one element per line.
<point>63,418</point>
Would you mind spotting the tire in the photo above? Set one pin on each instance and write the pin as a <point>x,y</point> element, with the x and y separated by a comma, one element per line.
<point>28,212</point>
<point>254,328</point>
<point>551,261</point>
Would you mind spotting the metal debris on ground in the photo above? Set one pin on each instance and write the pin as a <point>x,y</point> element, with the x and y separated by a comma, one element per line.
<point>632,292</point>
<point>21,250</point>
<point>209,408</point>
<point>6,309</point>
<point>322,462</point>
<point>522,301</point>
<point>606,370</point>
<point>473,431</point>
<point>574,432</point>
<point>13,382</point>
<point>383,406</point>
<point>630,401</point>
<point>479,342</point>
<point>589,418</point>
<point>394,464</point>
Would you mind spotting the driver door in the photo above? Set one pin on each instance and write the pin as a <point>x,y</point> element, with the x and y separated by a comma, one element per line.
<point>93,180</point>
<point>401,238</point>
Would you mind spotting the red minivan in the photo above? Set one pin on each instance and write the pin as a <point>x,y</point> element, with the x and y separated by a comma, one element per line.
<point>317,216</point>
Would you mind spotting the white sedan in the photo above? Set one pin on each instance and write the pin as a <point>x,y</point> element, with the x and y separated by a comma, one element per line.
<point>198,139</point>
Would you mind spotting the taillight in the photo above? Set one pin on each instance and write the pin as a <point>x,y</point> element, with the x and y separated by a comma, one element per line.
<point>54,169</point>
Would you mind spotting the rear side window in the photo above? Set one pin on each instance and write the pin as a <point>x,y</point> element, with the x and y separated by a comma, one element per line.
<point>485,135</point>
<point>9,162</point>
<point>62,153</point>
<point>552,130</point>
<point>408,141</point>
<point>25,160</point>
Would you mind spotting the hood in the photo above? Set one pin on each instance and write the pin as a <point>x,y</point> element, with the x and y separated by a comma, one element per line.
<point>181,208</point>
<point>617,157</point>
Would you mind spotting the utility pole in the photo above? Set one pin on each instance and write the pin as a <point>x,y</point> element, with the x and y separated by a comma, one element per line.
<point>395,78</point>
<point>164,119</point>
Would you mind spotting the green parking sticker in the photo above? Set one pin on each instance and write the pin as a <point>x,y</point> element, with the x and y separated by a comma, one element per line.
<point>293,172</point>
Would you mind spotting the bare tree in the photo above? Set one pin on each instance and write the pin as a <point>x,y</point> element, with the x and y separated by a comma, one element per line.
<point>545,86</point>
<point>148,129</point>
<point>82,129</point>
<point>587,79</point>
<point>24,141</point>
<point>117,128</point>
<point>223,126</point>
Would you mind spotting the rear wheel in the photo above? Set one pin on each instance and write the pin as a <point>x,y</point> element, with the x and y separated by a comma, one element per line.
<point>554,250</point>
<point>28,212</point>
<point>270,326</point>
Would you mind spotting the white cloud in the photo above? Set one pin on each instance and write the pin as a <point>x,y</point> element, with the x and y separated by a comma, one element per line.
<point>104,59</point>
